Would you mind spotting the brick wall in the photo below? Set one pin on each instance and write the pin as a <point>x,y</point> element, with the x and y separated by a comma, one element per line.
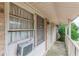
<point>2,29</point>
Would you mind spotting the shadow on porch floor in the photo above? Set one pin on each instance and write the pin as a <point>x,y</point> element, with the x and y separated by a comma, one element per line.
<point>58,49</point>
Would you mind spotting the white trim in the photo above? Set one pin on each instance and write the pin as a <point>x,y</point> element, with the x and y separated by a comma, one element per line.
<point>6,25</point>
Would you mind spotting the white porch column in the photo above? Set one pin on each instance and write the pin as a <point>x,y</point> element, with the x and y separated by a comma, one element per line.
<point>69,25</point>
<point>66,27</point>
<point>35,27</point>
<point>68,34</point>
<point>66,30</point>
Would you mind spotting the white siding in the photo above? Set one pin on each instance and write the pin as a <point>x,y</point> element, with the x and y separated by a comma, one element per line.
<point>38,51</point>
<point>51,35</point>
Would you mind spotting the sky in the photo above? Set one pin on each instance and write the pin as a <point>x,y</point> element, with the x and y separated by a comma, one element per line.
<point>76,21</point>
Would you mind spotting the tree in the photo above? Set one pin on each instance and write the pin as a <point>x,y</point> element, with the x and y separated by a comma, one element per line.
<point>74,33</point>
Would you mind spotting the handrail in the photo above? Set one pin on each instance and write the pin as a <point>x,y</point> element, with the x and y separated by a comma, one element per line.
<point>72,46</point>
<point>75,44</point>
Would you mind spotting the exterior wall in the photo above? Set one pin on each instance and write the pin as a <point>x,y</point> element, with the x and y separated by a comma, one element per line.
<point>40,49</point>
<point>11,49</point>
<point>51,35</point>
<point>51,38</point>
<point>2,23</point>
<point>54,33</point>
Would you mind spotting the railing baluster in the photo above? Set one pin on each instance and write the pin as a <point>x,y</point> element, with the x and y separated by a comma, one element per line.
<point>75,51</point>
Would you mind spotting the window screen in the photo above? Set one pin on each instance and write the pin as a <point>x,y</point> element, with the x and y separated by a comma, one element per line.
<point>21,24</point>
<point>40,29</point>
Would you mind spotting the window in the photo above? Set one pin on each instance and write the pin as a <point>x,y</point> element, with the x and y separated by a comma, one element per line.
<point>40,29</point>
<point>21,24</point>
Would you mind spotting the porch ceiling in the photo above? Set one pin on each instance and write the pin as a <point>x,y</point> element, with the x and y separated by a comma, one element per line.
<point>58,12</point>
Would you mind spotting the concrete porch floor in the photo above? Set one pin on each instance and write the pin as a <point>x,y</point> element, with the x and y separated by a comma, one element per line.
<point>58,49</point>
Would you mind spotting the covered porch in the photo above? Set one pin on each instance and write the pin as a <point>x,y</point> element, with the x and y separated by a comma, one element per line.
<point>37,28</point>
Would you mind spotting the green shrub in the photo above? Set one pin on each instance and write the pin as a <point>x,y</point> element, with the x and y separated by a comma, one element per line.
<point>74,33</point>
<point>61,31</point>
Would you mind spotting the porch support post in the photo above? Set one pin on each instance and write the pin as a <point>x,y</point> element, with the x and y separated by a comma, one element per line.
<point>35,27</point>
<point>66,33</point>
<point>66,30</point>
<point>69,28</point>
<point>6,27</point>
<point>66,27</point>
<point>45,27</point>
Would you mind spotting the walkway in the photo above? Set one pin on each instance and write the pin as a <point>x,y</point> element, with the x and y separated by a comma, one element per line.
<point>58,49</point>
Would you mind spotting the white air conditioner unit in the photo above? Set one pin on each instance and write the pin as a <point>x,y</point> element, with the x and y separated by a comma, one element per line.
<point>24,48</point>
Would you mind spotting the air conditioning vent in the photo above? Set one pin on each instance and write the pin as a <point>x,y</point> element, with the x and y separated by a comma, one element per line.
<point>24,48</point>
<point>27,49</point>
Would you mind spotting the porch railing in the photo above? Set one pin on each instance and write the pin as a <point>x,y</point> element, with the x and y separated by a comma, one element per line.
<point>72,47</point>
